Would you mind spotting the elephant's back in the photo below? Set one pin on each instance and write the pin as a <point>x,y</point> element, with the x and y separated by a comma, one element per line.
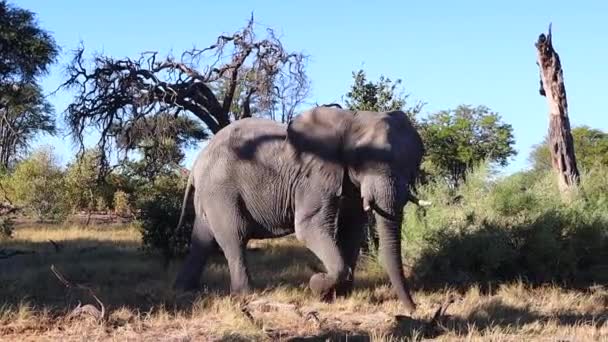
<point>238,146</point>
<point>247,139</point>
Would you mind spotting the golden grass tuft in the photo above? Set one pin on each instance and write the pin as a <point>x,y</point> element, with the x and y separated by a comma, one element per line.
<point>136,290</point>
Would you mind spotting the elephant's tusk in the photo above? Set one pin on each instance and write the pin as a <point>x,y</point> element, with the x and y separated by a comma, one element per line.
<point>419,202</point>
<point>366,205</point>
<point>424,203</point>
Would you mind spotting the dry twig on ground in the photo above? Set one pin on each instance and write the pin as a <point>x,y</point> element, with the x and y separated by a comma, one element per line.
<point>88,308</point>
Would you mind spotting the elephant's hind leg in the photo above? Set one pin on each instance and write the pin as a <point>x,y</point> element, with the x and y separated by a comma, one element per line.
<point>202,245</point>
<point>230,224</point>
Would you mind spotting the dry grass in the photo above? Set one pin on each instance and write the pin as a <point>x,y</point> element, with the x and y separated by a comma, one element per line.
<point>136,290</point>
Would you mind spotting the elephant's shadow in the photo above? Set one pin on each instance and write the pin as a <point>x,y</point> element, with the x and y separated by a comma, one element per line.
<point>275,263</point>
<point>124,275</point>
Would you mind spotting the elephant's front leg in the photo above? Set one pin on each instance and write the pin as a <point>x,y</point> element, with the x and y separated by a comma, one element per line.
<point>315,226</point>
<point>351,233</point>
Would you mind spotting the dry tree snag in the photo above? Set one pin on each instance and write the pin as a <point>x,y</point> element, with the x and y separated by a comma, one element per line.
<point>237,76</point>
<point>560,139</point>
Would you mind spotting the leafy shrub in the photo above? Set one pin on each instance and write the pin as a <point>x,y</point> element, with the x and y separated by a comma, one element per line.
<point>159,205</point>
<point>511,196</point>
<point>509,228</point>
<point>121,203</point>
<point>84,190</point>
<point>7,226</point>
<point>101,204</point>
<point>38,185</point>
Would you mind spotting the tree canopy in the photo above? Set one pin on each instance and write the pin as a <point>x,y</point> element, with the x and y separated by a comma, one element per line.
<point>458,139</point>
<point>26,52</point>
<point>379,96</point>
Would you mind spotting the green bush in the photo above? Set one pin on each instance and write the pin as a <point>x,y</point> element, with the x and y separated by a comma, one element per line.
<point>7,226</point>
<point>83,189</point>
<point>501,229</point>
<point>121,203</point>
<point>37,184</point>
<point>101,204</point>
<point>159,205</point>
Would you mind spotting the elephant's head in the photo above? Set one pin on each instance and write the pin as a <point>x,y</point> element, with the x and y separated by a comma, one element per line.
<point>380,153</point>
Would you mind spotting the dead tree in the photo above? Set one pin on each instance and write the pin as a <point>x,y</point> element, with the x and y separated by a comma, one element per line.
<point>560,139</point>
<point>236,76</point>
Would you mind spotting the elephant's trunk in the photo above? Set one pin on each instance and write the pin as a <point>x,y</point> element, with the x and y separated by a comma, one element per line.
<point>389,231</point>
<point>388,212</point>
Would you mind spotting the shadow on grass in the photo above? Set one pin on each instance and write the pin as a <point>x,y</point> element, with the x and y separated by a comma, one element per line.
<point>122,274</point>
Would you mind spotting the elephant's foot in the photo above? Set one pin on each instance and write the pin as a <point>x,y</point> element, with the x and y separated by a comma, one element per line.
<point>181,287</point>
<point>344,288</point>
<point>323,286</point>
<point>186,283</point>
<point>240,286</point>
<point>240,291</point>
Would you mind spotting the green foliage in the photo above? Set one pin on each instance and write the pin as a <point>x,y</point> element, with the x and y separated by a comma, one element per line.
<point>7,226</point>
<point>101,204</point>
<point>121,203</point>
<point>159,205</point>
<point>590,147</point>
<point>26,52</point>
<point>160,140</point>
<point>27,49</point>
<point>24,113</point>
<point>38,185</point>
<point>84,189</point>
<point>378,96</point>
<point>459,139</point>
<point>514,227</point>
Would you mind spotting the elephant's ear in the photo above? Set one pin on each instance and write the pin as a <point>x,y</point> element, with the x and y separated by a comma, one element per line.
<point>317,137</point>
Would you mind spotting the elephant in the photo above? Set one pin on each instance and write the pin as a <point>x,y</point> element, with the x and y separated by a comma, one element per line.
<point>315,176</point>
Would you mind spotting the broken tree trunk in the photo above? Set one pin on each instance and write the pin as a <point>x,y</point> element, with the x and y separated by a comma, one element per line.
<point>560,139</point>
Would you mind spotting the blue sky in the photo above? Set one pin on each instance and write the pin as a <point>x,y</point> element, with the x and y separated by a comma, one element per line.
<point>446,52</point>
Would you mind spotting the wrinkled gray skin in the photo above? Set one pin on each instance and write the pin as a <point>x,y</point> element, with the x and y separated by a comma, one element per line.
<point>258,179</point>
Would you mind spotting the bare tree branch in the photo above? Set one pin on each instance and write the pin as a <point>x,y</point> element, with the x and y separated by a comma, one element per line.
<point>112,94</point>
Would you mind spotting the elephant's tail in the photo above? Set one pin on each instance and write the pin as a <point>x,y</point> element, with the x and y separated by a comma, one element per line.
<point>185,202</point>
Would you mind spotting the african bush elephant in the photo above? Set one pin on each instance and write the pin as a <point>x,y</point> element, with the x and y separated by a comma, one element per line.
<point>315,176</point>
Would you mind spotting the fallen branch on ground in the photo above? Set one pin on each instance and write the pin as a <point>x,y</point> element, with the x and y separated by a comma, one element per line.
<point>264,305</point>
<point>57,246</point>
<point>6,253</point>
<point>432,324</point>
<point>88,308</point>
